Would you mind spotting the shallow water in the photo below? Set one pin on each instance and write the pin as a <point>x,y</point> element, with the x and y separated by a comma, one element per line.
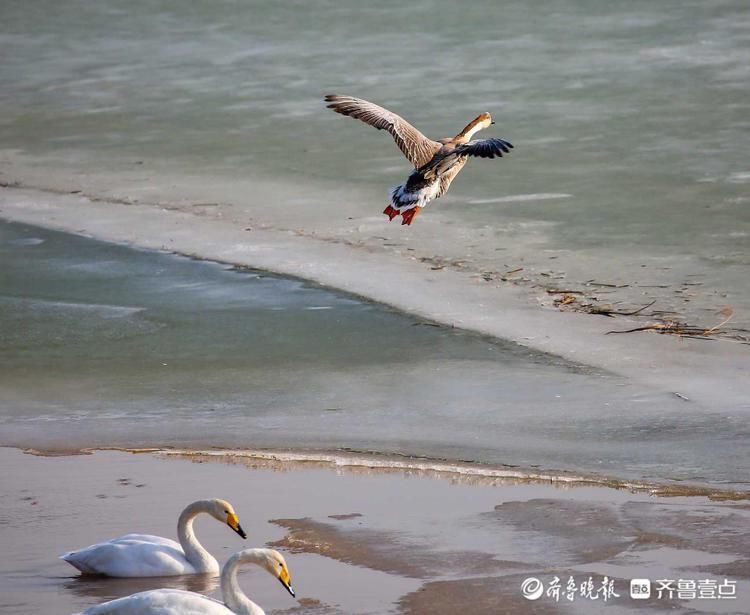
<point>630,121</point>
<point>107,345</point>
<point>365,541</point>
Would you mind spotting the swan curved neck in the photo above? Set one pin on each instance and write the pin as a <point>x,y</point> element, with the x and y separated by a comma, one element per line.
<point>198,557</point>
<point>235,599</point>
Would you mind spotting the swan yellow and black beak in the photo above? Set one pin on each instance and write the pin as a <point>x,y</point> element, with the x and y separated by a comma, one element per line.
<point>234,523</point>
<point>285,580</point>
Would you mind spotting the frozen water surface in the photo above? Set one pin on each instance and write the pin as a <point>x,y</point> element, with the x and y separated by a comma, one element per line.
<point>102,344</point>
<point>635,114</point>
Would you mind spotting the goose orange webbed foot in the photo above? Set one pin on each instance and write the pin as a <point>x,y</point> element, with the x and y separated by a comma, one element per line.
<point>408,216</point>
<point>391,212</point>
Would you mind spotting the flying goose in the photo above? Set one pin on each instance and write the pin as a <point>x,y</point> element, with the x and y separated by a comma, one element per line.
<point>436,163</point>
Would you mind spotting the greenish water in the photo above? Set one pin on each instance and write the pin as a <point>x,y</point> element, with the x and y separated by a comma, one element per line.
<point>631,126</point>
<point>638,111</point>
<point>106,345</point>
<point>630,120</point>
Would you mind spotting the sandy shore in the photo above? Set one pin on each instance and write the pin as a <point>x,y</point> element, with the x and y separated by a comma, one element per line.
<point>366,540</point>
<point>121,209</point>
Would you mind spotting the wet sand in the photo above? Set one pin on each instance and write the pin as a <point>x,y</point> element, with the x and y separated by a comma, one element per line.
<point>364,540</point>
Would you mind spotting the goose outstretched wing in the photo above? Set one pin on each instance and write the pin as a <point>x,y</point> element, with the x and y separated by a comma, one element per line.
<point>484,148</point>
<point>417,148</point>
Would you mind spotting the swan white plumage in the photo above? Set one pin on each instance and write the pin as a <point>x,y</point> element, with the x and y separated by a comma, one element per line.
<point>143,555</point>
<point>179,602</point>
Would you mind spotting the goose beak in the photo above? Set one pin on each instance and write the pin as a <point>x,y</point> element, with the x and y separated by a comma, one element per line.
<point>234,523</point>
<point>492,122</point>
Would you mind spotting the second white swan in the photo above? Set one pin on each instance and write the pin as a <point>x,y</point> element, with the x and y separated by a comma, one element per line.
<point>179,602</point>
<point>144,555</point>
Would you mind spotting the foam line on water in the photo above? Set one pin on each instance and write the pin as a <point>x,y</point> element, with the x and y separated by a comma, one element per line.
<point>458,471</point>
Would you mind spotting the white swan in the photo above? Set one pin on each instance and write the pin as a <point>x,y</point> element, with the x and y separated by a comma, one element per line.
<point>179,602</point>
<point>143,555</point>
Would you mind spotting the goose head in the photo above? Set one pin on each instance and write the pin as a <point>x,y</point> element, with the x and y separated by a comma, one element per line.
<point>484,120</point>
<point>222,511</point>
<point>480,122</point>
